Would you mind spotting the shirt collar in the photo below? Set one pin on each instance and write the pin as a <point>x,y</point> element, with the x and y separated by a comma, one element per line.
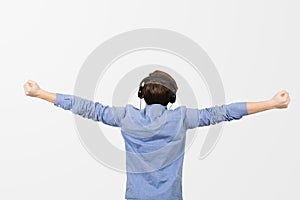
<point>156,106</point>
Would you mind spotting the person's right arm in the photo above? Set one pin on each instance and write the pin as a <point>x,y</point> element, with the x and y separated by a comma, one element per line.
<point>234,111</point>
<point>279,101</point>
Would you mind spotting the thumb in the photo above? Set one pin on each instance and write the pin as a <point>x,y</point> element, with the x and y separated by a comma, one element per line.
<point>27,88</point>
<point>285,94</point>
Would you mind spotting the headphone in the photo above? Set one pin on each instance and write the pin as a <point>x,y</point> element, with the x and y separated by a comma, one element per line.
<point>161,81</point>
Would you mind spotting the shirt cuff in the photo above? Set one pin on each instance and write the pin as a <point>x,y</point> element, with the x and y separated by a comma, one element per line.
<point>238,109</point>
<point>64,101</point>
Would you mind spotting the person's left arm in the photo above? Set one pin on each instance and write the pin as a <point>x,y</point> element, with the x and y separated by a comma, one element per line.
<point>89,109</point>
<point>77,105</point>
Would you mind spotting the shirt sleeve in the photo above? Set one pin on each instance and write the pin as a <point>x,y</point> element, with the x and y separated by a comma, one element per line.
<point>89,109</point>
<point>213,115</point>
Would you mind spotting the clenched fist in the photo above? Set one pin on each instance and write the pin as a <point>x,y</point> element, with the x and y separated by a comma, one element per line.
<point>31,88</point>
<point>281,99</point>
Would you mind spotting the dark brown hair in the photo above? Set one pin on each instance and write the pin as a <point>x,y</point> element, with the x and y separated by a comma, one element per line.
<point>156,94</point>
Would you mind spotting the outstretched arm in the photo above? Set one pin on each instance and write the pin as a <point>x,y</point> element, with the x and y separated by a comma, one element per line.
<point>233,111</point>
<point>80,106</point>
<point>32,89</point>
<point>279,100</point>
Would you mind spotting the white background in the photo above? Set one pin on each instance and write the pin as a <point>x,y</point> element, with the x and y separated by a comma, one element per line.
<point>254,45</point>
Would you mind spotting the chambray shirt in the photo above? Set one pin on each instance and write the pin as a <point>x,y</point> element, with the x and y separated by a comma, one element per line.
<point>154,140</point>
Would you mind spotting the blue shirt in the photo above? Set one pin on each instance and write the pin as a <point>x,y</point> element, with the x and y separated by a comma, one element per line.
<point>154,140</point>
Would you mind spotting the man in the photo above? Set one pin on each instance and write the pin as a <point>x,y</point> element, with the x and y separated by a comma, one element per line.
<point>155,136</point>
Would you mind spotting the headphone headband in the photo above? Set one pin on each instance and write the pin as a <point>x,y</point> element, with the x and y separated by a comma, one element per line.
<point>161,78</point>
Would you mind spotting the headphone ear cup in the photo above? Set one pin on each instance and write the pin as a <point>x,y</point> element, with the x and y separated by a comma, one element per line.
<point>173,99</point>
<point>140,95</point>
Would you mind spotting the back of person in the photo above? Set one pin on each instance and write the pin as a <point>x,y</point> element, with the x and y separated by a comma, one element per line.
<point>154,141</point>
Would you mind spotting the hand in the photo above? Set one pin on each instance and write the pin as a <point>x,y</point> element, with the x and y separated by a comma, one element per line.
<point>31,88</point>
<point>281,99</point>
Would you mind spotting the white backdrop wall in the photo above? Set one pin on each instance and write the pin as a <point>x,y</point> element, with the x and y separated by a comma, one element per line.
<point>254,45</point>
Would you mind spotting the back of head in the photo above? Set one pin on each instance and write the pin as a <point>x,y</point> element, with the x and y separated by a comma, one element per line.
<point>158,88</point>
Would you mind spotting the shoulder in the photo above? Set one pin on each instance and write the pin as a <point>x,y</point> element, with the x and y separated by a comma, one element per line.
<point>178,111</point>
<point>121,111</point>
